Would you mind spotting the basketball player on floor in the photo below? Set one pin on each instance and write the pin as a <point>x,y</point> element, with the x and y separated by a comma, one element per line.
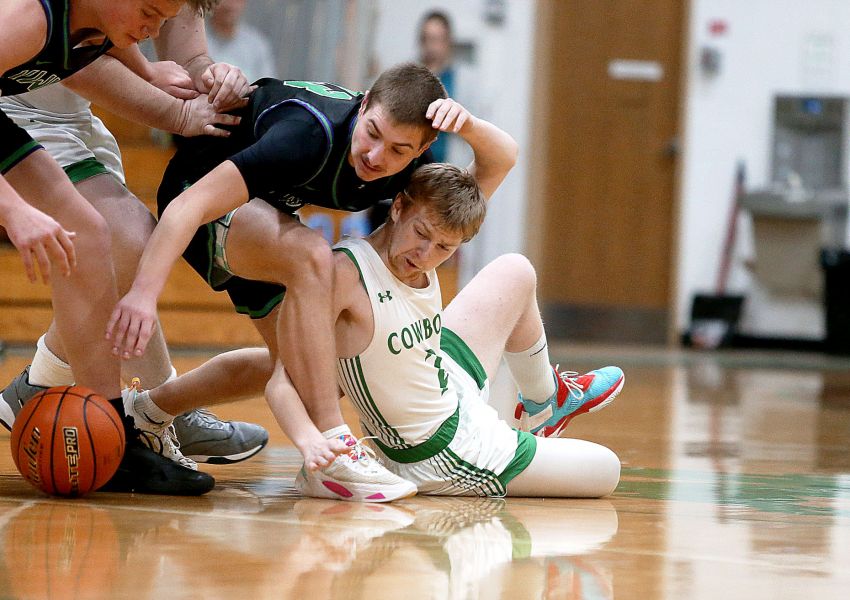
<point>419,375</point>
<point>298,142</point>
<point>572,395</point>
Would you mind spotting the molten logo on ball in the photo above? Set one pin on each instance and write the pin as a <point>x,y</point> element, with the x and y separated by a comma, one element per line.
<point>31,450</point>
<point>72,455</point>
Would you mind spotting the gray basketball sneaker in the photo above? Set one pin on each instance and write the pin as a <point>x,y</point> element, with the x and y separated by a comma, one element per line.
<point>16,394</point>
<point>205,438</point>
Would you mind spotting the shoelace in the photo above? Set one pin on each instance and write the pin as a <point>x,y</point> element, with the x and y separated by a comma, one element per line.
<point>360,452</point>
<point>569,379</point>
<point>205,418</point>
<point>168,439</point>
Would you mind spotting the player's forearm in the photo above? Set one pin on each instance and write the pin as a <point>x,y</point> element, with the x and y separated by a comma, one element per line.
<point>167,242</point>
<point>212,197</point>
<point>290,414</point>
<point>493,148</point>
<point>132,58</point>
<point>127,94</point>
<point>10,202</point>
<point>183,40</point>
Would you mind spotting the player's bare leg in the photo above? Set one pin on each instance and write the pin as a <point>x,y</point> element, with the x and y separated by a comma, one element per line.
<point>506,292</point>
<point>234,375</point>
<point>130,224</point>
<point>266,245</point>
<point>83,301</point>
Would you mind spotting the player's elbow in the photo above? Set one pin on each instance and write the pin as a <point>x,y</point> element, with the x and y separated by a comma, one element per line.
<point>511,152</point>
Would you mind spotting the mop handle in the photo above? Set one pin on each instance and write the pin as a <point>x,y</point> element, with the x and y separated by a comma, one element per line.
<point>731,227</point>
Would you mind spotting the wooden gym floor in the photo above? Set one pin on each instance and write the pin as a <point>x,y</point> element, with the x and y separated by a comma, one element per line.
<point>736,484</point>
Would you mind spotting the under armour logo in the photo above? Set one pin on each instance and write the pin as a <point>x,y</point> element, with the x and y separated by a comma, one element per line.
<point>385,296</point>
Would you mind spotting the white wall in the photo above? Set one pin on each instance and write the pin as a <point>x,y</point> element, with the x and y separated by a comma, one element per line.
<point>501,80</point>
<point>770,47</point>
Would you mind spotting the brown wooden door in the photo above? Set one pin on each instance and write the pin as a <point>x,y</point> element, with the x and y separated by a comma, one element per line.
<point>607,188</point>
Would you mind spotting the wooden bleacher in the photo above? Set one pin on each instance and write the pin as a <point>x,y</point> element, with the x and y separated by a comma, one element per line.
<point>191,314</point>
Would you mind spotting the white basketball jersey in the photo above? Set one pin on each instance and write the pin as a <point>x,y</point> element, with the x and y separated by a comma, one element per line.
<point>398,384</point>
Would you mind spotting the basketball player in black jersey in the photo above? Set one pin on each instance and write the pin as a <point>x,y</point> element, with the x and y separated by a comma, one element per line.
<point>51,225</point>
<point>227,205</point>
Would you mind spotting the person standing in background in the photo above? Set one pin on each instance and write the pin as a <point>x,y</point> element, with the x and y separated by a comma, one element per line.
<point>436,45</point>
<point>233,41</point>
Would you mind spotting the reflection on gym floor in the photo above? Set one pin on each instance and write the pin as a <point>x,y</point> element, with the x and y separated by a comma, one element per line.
<point>736,484</point>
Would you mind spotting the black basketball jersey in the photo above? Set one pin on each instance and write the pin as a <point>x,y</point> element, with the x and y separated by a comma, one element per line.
<point>57,59</point>
<point>330,112</point>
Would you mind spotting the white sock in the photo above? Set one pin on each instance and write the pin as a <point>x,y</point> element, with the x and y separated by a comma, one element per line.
<point>533,372</point>
<point>144,405</point>
<point>48,370</point>
<point>336,432</point>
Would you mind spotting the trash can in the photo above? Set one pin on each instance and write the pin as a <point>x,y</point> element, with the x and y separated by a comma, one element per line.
<point>836,269</point>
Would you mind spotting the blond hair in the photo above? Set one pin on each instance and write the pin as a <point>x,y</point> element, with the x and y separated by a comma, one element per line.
<point>451,194</point>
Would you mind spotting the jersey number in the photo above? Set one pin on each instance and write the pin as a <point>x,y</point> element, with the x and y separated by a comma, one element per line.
<point>442,376</point>
<point>328,90</point>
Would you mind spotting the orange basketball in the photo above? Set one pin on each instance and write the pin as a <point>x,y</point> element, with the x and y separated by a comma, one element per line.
<point>67,441</point>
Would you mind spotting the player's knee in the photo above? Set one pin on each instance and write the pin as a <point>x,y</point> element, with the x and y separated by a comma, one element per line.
<point>517,269</point>
<point>608,473</point>
<point>312,262</point>
<point>93,235</point>
<point>132,243</point>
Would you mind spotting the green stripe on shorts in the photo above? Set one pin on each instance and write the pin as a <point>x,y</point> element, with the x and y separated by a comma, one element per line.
<point>263,311</point>
<point>431,447</point>
<point>526,447</point>
<point>451,344</point>
<point>84,169</point>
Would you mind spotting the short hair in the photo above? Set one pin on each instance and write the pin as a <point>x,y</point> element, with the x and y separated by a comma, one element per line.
<point>202,7</point>
<point>435,15</point>
<point>406,91</point>
<point>451,194</point>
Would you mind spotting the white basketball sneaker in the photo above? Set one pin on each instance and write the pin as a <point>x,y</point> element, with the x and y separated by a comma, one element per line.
<point>156,435</point>
<point>355,477</point>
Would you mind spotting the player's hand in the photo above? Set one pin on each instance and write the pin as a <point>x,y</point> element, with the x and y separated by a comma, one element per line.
<point>132,324</point>
<point>173,79</point>
<point>41,240</point>
<point>226,86</point>
<point>321,452</point>
<point>199,117</point>
<point>447,115</point>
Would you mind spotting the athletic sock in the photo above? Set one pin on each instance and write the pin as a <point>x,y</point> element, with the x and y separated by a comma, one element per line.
<point>48,370</point>
<point>337,431</point>
<point>533,372</point>
<point>148,407</point>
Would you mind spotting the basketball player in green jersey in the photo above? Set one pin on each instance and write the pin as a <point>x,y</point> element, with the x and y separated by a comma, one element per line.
<point>44,42</point>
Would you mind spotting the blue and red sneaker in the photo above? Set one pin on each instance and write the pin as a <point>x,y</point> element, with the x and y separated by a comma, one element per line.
<point>576,395</point>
